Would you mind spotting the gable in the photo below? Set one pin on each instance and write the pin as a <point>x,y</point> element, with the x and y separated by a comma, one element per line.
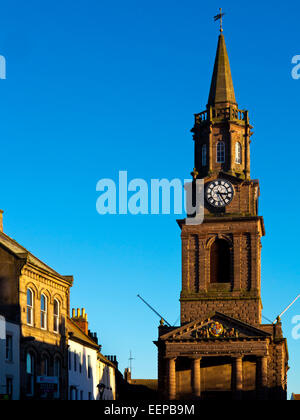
<point>217,326</point>
<point>18,251</point>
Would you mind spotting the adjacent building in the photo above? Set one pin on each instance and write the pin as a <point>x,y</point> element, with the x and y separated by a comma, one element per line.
<point>108,377</point>
<point>138,389</point>
<point>83,359</point>
<point>91,375</point>
<point>9,359</point>
<point>44,354</point>
<point>37,298</point>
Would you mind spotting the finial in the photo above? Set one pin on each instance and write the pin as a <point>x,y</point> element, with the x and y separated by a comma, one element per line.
<point>220,18</point>
<point>195,173</point>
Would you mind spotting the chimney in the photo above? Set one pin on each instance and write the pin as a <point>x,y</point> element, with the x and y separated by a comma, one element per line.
<point>1,220</point>
<point>127,375</point>
<point>81,320</point>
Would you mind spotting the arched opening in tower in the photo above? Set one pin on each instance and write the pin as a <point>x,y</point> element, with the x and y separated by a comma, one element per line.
<point>220,265</point>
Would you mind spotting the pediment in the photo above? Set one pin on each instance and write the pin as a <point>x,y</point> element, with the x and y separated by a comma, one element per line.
<point>217,326</point>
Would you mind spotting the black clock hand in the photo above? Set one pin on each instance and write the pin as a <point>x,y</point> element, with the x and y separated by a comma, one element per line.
<point>219,194</point>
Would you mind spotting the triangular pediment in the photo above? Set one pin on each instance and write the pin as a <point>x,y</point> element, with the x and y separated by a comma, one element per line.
<point>217,326</point>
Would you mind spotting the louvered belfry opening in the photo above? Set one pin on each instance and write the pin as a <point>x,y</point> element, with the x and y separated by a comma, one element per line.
<point>220,262</point>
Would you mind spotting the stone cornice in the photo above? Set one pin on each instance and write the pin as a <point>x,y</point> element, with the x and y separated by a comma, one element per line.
<point>37,274</point>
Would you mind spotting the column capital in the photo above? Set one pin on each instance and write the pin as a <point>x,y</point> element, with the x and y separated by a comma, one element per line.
<point>262,357</point>
<point>195,357</point>
<point>171,372</point>
<point>170,358</point>
<point>196,375</point>
<point>238,357</point>
<point>237,376</point>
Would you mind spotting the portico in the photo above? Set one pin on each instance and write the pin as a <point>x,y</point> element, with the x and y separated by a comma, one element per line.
<point>237,376</point>
<point>193,367</point>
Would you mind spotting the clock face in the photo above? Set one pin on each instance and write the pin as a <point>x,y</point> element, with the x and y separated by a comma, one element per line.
<point>219,193</point>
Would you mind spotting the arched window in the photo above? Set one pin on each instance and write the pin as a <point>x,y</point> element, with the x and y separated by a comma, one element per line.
<point>220,262</point>
<point>43,312</point>
<point>238,153</point>
<point>29,307</point>
<point>30,372</point>
<point>57,374</point>
<point>57,368</point>
<point>221,152</point>
<point>56,316</point>
<point>45,366</point>
<point>204,154</point>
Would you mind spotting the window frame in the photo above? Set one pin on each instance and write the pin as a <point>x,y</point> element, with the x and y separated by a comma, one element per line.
<point>204,155</point>
<point>56,317</point>
<point>75,361</point>
<point>80,362</point>
<point>44,312</point>
<point>30,307</point>
<point>89,366</point>
<point>45,363</point>
<point>57,374</point>
<point>238,153</point>
<point>9,348</point>
<point>221,152</point>
<point>30,375</point>
<point>9,386</point>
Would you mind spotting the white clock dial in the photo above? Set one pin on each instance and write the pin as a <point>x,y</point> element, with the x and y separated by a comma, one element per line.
<point>219,193</point>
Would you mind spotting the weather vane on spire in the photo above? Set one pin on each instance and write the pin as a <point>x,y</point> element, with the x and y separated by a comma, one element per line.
<point>220,18</point>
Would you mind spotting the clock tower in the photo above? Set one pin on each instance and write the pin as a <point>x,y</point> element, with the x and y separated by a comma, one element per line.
<point>221,257</point>
<point>222,349</point>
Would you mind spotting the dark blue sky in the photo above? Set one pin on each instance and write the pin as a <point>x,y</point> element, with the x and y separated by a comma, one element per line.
<point>95,87</point>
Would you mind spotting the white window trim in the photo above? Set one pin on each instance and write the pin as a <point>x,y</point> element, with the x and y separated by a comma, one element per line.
<point>30,308</point>
<point>56,317</point>
<point>222,153</point>
<point>44,313</point>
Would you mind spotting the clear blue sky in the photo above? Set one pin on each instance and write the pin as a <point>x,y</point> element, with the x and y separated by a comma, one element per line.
<point>94,87</point>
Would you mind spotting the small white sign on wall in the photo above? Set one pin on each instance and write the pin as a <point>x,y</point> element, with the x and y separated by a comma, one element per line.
<point>2,328</point>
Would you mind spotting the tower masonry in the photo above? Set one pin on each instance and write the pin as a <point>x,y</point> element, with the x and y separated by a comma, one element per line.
<point>222,349</point>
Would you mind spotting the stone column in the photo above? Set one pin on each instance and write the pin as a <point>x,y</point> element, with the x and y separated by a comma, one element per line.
<point>196,376</point>
<point>237,377</point>
<point>171,378</point>
<point>262,374</point>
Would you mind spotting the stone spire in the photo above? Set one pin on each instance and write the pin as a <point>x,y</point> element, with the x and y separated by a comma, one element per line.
<point>221,90</point>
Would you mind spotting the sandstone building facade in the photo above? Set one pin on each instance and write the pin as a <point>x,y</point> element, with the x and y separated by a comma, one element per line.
<point>52,356</point>
<point>37,298</point>
<point>222,349</point>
